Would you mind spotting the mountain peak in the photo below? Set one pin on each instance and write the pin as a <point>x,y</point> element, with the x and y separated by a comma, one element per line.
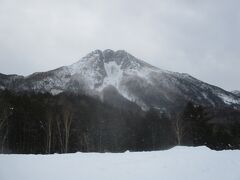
<point>106,56</point>
<point>121,57</point>
<point>109,53</point>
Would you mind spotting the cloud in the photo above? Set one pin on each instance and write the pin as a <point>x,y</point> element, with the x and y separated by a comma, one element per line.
<point>197,37</point>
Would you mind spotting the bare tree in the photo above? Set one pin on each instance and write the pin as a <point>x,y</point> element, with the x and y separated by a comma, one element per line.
<point>85,141</point>
<point>67,122</point>
<point>48,130</point>
<point>180,128</point>
<point>3,140</point>
<point>60,136</point>
<point>5,111</point>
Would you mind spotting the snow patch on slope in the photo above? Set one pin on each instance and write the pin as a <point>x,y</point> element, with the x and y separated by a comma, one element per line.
<point>55,91</point>
<point>114,74</point>
<point>236,92</point>
<point>228,99</point>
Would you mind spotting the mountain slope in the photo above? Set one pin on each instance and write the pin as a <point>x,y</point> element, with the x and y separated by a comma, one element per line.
<point>135,80</point>
<point>236,92</point>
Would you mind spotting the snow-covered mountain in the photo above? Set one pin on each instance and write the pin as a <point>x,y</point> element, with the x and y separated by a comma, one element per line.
<point>103,73</point>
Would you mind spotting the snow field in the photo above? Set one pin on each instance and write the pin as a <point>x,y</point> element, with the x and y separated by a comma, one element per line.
<point>179,163</point>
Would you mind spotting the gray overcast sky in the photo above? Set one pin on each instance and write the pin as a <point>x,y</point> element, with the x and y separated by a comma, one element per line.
<point>199,37</point>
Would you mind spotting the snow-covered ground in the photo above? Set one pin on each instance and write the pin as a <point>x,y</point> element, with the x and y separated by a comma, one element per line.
<point>179,163</point>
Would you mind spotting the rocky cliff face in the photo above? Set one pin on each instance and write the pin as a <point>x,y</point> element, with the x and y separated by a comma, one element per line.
<point>132,79</point>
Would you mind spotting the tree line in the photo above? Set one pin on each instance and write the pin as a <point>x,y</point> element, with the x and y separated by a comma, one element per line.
<point>65,123</point>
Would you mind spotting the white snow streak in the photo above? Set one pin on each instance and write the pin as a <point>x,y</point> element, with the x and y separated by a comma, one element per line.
<point>114,74</point>
<point>228,99</point>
